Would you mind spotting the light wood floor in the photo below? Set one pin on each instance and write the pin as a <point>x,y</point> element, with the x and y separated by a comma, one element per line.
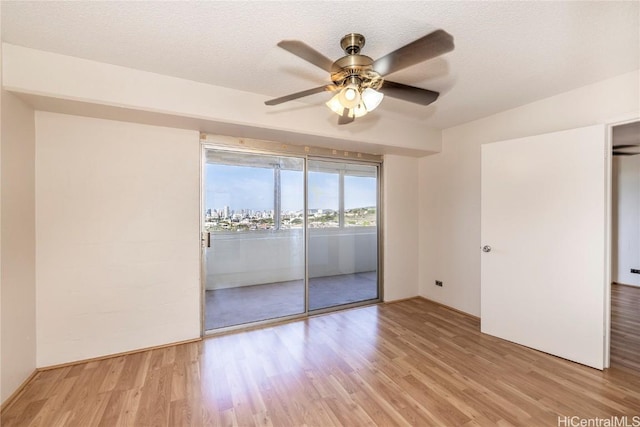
<point>408,363</point>
<point>625,326</point>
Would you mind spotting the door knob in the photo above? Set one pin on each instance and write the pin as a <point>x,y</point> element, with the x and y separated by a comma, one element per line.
<point>486,248</point>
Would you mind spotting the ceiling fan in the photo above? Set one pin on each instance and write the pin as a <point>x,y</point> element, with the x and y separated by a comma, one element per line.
<point>623,150</point>
<point>359,80</point>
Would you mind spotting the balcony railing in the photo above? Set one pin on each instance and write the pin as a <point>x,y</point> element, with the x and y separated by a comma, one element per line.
<point>268,256</point>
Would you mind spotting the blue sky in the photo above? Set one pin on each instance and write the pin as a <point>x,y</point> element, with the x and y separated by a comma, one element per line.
<point>252,188</point>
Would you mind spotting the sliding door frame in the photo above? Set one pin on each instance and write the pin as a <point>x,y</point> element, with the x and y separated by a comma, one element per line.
<point>306,153</point>
<point>379,221</point>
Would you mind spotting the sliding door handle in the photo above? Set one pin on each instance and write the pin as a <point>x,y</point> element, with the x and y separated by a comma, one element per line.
<point>206,239</point>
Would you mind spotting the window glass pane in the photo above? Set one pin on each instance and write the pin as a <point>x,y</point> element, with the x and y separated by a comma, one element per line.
<point>324,201</point>
<point>360,195</point>
<point>292,185</point>
<point>342,254</point>
<point>239,198</point>
<point>255,259</point>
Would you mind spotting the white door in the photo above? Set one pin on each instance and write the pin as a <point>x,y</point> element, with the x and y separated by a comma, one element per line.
<point>543,216</point>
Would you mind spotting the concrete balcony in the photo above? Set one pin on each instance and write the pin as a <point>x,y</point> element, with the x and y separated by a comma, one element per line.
<point>259,275</point>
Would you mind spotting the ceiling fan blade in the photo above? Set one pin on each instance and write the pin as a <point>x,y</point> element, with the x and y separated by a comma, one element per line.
<point>624,153</point>
<point>427,47</point>
<point>408,93</point>
<point>307,53</point>
<point>618,147</point>
<point>345,118</point>
<point>276,101</point>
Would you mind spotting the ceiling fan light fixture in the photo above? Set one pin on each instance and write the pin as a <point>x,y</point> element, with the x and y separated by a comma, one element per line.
<point>358,103</point>
<point>355,112</point>
<point>335,105</point>
<point>359,111</point>
<point>349,96</point>
<point>371,98</point>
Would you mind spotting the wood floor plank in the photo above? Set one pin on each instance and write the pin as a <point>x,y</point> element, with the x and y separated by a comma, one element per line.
<point>129,408</point>
<point>110,381</point>
<point>53,411</point>
<point>625,326</point>
<point>408,363</point>
<point>115,406</point>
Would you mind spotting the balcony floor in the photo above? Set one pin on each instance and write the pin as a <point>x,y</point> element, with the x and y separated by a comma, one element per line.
<point>236,306</point>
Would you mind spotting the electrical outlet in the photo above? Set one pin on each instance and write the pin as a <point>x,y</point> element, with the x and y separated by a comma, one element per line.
<point>439,283</point>
<point>635,270</point>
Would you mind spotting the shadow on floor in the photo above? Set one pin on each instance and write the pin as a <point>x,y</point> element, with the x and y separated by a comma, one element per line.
<point>236,306</point>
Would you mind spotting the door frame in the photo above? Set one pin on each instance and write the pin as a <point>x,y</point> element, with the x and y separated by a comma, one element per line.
<point>253,146</point>
<point>610,124</point>
<point>379,236</point>
<point>224,145</point>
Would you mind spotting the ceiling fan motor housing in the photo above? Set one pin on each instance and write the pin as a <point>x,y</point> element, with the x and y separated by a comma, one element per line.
<point>352,43</point>
<point>355,66</point>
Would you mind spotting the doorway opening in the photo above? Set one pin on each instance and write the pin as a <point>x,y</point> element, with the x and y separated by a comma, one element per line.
<point>625,246</point>
<point>287,236</point>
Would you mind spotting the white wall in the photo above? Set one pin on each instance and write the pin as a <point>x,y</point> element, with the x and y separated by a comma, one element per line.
<point>626,219</point>
<point>58,76</point>
<point>400,175</point>
<point>18,316</point>
<point>449,226</point>
<point>117,242</point>
<point>450,181</point>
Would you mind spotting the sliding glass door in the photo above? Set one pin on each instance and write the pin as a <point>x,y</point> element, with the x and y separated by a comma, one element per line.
<point>255,256</point>
<point>343,233</point>
<point>270,254</point>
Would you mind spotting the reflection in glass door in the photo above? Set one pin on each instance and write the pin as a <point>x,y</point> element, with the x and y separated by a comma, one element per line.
<point>255,256</point>
<point>343,233</point>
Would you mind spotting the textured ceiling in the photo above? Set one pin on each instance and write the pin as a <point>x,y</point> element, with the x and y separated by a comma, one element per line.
<point>507,53</point>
